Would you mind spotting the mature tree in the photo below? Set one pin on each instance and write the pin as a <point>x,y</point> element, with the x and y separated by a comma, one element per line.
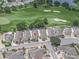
<point>9,0</point>
<point>57,3</point>
<point>4,54</point>
<point>35,5</point>
<point>75,1</point>
<point>65,4</point>
<point>41,1</point>
<point>46,3</point>
<point>2,2</point>
<point>45,21</point>
<point>7,9</point>
<point>14,8</point>
<point>1,9</point>
<point>38,24</point>
<point>0,28</point>
<point>7,44</point>
<point>75,23</point>
<point>55,41</point>
<point>21,26</point>
<point>24,50</point>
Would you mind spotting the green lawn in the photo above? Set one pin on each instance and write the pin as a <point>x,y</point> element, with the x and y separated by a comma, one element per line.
<point>30,14</point>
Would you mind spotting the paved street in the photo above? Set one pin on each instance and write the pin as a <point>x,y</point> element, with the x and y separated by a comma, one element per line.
<point>69,40</point>
<point>54,55</point>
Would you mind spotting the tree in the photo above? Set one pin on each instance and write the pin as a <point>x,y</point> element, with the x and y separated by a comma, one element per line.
<point>21,26</point>
<point>57,3</point>
<point>9,0</point>
<point>40,1</point>
<point>45,47</point>
<point>75,23</point>
<point>2,2</point>
<point>7,9</point>
<point>7,44</point>
<point>37,24</point>
<point>45,3</point>
<point>65,4</point>
<point>45,21</point>
<point>35,5</point>
<point>55,41</point>
<point>0,28</point>
<point>75,1</point>
<point>14,8</point>
<point>20,6</point>
<point>1,8</point>
<point>24,50</point>
<point>4,54</point>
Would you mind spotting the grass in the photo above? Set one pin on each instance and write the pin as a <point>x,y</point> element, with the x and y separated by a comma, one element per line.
<point>29,14</point>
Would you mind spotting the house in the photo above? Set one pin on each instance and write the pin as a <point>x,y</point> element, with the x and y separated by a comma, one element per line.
<point>22,36</point>
<point>11,3</point>
<point>71,57</point>
<point>7,53</point>
<point>43,34</point>
<point>67,32</point>
<point>34,34</point>
<point>26,36</point>
<point>55,31</point>
<point>69,52</point>
<point>26,1</point>
<point>17,55</point>
<point>8,36</point>
<point>18,37</point>
<point>75,32</point>
<point>37,54</point>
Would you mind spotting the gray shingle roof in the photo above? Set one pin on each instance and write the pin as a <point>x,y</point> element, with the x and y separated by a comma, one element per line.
<point>17,55</point>
<point>37,54</point>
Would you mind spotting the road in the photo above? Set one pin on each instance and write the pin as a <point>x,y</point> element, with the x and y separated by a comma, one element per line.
<point>69,40</point>
<point>54,55</point>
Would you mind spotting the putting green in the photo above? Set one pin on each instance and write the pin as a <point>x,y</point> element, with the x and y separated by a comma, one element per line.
<point>57,21</point>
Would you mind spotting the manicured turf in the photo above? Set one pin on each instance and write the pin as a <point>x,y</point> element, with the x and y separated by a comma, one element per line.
<point>30,14</point>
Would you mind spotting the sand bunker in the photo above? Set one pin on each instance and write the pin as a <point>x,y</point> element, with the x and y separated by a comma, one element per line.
<point>56,11</point>
<point>57,19</point>
<point>47,10</point>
